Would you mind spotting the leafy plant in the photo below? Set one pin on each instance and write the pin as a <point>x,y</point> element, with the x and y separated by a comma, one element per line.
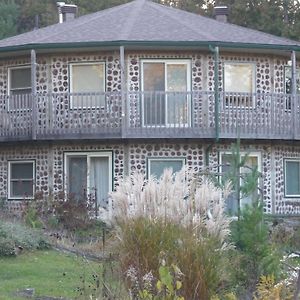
<point>269,289</point>
<point>167,287</point>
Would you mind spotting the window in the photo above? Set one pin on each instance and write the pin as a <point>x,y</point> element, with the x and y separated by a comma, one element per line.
<point>21,179</point>
<point>156,166</point>
<point>87,84</point>
<point>165,99</point>
<point>88,174</point>
<point>253,161</point>
<point>292,177</point>
<point>19,87</point>
<point>239,84</point>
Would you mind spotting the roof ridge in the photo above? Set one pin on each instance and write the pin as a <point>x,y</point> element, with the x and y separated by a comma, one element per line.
<point>89,18</point>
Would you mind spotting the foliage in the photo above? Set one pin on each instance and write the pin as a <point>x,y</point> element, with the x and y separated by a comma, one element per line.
<point>268,289</point>
<point>277,17</point>
<point>7,246</point>
<point>181,216</point>
<point>20,236</point>
<point>167,287</point>
<point>9,13</point>
<point>31,216</point>
<point>257,255</point>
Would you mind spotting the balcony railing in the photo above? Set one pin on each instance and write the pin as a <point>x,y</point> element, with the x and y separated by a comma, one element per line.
<point>149,115</point>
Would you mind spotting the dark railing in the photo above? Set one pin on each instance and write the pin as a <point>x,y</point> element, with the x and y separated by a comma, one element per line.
<point>149,114</point>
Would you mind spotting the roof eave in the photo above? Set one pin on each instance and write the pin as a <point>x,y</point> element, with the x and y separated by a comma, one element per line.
<point>232,45</point>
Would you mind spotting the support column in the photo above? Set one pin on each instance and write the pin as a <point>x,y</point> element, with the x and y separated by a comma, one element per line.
<point>33,93</point>
<point>123,90</point>
<point>293,100</point>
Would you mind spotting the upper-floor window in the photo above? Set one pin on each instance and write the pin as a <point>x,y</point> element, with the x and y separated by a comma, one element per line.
<point>165,84</point>
<point>239,84</point>
<point>87,84</point>
<point>19,87</point>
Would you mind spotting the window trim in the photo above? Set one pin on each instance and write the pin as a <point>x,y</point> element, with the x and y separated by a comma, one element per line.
<point>70,67</point>
<point>89,154</point>
<point>166,61</point>
<point>285,179</point>
<point>243,153</point>
<point>9,69</point>
<point>256,154</point>
<point>10,162</point>
<point>252,93</point>
<point>149,159</point>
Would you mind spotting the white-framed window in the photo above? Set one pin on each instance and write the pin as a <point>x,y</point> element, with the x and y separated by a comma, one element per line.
<point>292,177</point>
<point>21,175</point>
<point>239,83</point>
<point>252,162</point>
<point>19,87</point>
<point>88,174</point>
<point>165,86</point>
<point>157,165</point>
<point>87,84</point>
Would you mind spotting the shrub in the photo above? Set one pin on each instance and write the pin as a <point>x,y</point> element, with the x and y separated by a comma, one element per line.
<point>7,247</point>
<point>179,217</point>
<point>18,235</point>
<point>258,256</point>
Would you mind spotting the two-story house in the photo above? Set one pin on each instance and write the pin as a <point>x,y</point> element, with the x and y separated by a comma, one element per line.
<point>143,86</point>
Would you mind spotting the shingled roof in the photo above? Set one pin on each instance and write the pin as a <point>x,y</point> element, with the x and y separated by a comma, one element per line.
<point>142,21</point>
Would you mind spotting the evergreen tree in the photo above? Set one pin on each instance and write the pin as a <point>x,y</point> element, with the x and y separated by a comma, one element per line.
<point>9,13</point>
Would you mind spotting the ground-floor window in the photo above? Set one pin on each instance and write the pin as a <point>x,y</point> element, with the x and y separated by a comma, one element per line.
<point>249,162</point>
<point>156,166</point>
<point>21,176</point>
<point>292,177</point>
<point>88,174</point>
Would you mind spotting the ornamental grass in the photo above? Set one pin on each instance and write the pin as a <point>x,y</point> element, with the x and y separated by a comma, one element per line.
<point>180,219</point>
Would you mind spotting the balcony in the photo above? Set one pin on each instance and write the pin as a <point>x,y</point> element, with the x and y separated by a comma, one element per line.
<point>57,116</point>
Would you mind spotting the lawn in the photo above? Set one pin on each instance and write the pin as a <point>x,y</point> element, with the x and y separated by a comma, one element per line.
<point>50,273</point>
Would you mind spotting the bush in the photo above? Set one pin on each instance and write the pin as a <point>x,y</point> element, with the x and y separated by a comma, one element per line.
<point>7,247</point>
<point>18,235</point>
<point>176,218</point>
<point>257,255</point>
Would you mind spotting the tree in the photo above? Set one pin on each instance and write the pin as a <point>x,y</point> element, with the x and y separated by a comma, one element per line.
<point>34,13</point>
<point>9,13</point>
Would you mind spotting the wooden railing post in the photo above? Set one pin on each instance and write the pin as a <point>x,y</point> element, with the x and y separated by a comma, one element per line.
<point>33,94</point>
<point>294,93</point>
<point>123,92</point>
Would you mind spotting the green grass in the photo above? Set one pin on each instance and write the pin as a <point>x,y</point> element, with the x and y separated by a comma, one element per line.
<point>50,273</point>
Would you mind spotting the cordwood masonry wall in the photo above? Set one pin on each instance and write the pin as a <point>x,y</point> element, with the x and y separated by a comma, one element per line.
<point>128,157</point>
<point>53,76</point>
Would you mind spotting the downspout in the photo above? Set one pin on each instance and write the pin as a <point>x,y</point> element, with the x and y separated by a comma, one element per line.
<point>215,51</point>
